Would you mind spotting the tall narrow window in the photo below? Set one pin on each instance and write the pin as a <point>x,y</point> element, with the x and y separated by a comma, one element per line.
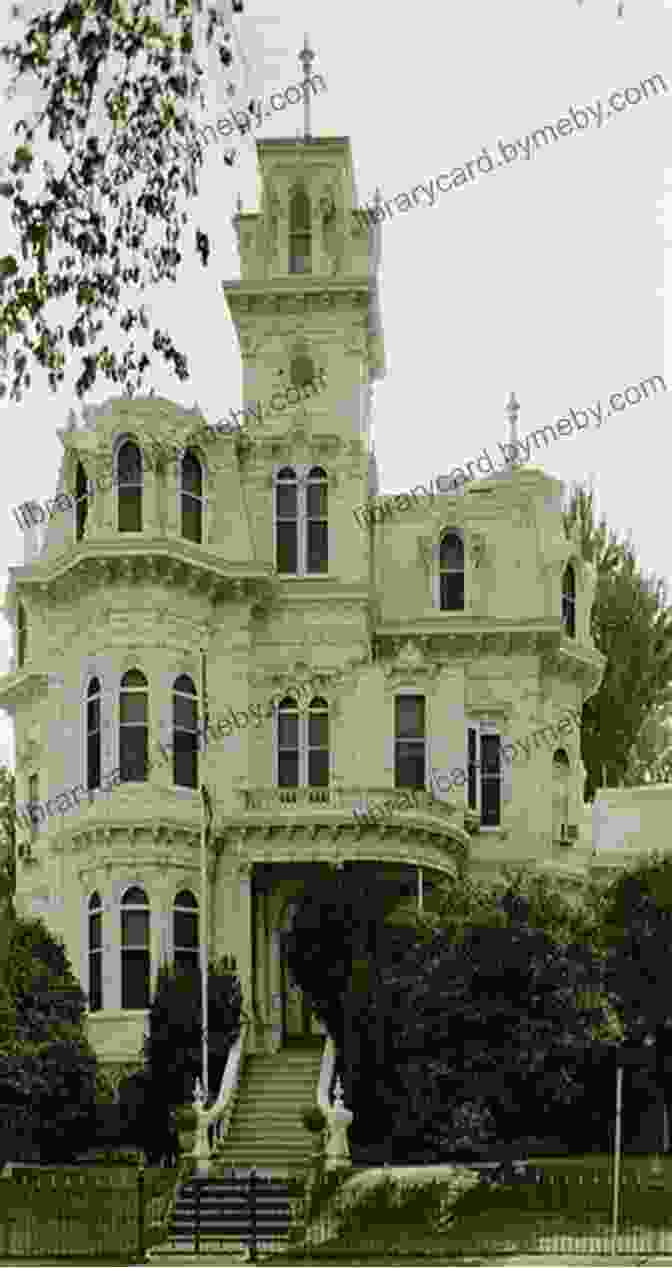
<point>317,543</point>
<point>286,521</point>
<point>484,792</point>
<point>451,573</point>
<point>185,733</point>
<point>129,474</point>
<point>318,743</point>
<point>134,949</point>
<point>185,932</point>
<point>133,727</point>
<point>288,743</point>
<point>472,768</point>
<point>299,233</point>
<point>191,493</point>
<point>95,953</point>
<point>560,795</point>
<point>36,811</point>
<point>301,521</point>
<point>93,701</point>
<point>81,502</point>
<point>569,600</point>
<point>491,780</point>
<point>409,763</point>
<point>21,636</point>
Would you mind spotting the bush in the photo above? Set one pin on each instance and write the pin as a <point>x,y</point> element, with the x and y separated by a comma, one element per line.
<point>313,1118</point>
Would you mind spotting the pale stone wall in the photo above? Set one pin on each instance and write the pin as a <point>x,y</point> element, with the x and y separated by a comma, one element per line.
<point>359,635</point>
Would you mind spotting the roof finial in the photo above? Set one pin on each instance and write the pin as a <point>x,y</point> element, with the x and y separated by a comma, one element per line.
<point>512,411</point>
<point>306,56</point>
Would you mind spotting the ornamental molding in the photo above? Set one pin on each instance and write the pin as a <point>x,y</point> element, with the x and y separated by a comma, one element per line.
<point>149,564</point>
<point>411,662</point>
<point>479,552</point>
<point>380,843</point>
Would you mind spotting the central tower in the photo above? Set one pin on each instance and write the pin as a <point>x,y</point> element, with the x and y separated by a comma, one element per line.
<point>306,309</point>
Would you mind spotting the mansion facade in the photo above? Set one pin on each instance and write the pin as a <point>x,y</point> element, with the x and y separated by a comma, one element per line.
<point>351,664</point>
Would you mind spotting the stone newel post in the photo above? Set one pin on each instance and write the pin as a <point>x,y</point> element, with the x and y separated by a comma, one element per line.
<point>201,1149</point>
<point>338,1121</point>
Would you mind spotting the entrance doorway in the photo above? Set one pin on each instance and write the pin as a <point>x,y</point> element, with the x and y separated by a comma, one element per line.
<point>298,1020</point>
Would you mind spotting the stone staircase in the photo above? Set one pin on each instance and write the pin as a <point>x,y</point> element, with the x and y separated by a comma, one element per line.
<point>221,1209</point>
<point>266,1130</point>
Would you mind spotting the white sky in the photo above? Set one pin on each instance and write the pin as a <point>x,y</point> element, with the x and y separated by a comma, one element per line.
<point>545,277</point>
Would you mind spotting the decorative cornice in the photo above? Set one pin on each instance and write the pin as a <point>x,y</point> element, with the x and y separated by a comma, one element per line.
<point>140,563</point>
<point>428,847</point>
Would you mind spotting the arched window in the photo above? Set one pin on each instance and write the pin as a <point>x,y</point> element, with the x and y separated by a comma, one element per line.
<point>81,502</point>
<point>185,932</point>
<point>299,232</point>
<point>317,540</point>
<point>569,601</point>
<point>21,636</point>
<point>95,953</point>
<point>133,727</point>
<point>93,701</point>
<point>288,743</point>
<point>561,771</point>
<point>301,521</point>
<point>129,476</point>
<point>134,949</point>
<point>185,733</point>
<point>192,501</point>
<point>451,572</point>
<point>303,744</point>
<point>302,371</point>
<point>318,743</point>
<point>286,521</point>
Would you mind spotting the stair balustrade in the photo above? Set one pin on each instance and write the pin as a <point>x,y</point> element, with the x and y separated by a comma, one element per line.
<point>219,1115</point>
<point>339,1119</point>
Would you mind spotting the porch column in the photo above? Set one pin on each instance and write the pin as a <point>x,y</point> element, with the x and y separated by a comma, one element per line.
<point>239,932</point>
<point>261,974</point>
<point>276,989</point>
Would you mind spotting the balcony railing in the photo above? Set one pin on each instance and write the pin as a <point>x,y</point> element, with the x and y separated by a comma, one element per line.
<point>347,800</point>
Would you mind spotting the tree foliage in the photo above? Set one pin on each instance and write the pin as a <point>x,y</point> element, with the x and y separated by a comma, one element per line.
<point>631,624</point>
<point>47,1067</point>
<point>499,1021</point>
<point>173,1048</point>
<point>104,216</point>
<point>7,862</point>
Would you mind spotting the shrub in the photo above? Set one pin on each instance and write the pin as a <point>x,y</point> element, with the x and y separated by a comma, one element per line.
<point>313,1118</point>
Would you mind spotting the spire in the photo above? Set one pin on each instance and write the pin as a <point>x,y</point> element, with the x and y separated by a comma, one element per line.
<point>306,57</point>
<point>512,411</point>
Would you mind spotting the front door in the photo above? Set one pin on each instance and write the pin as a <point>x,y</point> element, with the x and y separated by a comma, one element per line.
<point>296,1012</point>
<point>298,1020</point>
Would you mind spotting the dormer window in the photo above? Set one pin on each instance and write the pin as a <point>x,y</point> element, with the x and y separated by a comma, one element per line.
<point>299,232</point>
<point>21,636</point>
<point>192,501</point>
<point>451,573</point>
<point>569,601</point>
<point>81,502</point>
<point>129,474</point>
